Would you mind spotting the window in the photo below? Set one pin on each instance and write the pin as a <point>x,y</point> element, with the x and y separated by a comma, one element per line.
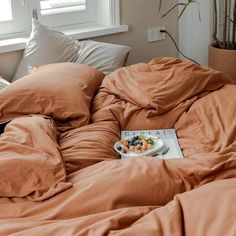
<point>50,7</point>
<point>6,11</point>
<point>15,15</point>
<point>11,12</point>
<point>65,12</point>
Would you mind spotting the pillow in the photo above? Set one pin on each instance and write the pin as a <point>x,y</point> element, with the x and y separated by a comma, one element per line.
<point>103,56</point>
<point>3,83</point>
<point>46,46</point>
<point>62,91</point>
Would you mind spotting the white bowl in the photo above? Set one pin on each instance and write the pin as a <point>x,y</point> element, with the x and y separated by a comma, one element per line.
<point>157,146</point>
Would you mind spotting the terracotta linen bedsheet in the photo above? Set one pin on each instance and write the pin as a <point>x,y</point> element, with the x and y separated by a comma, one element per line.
<point>142,196</point>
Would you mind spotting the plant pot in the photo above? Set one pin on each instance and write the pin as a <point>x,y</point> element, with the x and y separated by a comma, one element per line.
<point>223,60</point>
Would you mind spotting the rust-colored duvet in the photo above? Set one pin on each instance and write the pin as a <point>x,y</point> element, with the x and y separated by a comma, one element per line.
<point>61,176</point>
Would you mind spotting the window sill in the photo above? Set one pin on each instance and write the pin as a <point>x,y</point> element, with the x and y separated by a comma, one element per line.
<point>17,42</point>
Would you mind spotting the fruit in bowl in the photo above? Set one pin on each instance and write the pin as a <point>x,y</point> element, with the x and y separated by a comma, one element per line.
<point>136,144</point>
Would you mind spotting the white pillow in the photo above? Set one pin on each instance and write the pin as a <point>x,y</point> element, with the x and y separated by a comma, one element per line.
<point>3,83</point>
<point>46,46</point>
<point>103,56</point>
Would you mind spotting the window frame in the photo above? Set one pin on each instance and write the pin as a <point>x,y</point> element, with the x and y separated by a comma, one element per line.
<point>17,24</point>
<point>104,26</point>
<point>109,16</point>
<point>66,19</point>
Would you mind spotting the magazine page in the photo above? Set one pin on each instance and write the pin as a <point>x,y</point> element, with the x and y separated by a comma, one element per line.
<point>171,147</point>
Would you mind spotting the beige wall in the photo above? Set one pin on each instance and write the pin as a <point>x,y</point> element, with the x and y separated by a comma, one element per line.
<point>8,63</point>
<point>139,15</point>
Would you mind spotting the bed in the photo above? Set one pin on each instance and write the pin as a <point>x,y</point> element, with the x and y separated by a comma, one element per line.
<point>61,176</point>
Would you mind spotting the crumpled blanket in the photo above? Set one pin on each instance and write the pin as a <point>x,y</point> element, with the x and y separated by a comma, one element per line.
<point>139,196</point>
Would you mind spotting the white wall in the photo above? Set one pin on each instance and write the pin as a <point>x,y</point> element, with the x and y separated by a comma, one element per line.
<point>195,35</point>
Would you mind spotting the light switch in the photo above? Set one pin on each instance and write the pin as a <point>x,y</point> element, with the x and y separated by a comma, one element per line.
<point>152,35</point>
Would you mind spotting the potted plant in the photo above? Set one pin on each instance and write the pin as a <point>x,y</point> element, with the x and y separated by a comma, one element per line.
<point>222,51</point>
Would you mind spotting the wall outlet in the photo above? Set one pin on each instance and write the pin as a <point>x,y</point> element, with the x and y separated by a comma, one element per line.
<point>161,36</point>
<point>154,34</point>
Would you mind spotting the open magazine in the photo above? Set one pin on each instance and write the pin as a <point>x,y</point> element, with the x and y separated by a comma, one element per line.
<point>171,148</point>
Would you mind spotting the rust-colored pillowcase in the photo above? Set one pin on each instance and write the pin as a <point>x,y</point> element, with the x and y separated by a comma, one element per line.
<point>62,91</point>
<point>162,84</point>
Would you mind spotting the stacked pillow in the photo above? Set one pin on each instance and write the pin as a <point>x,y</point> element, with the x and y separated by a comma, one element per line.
<point>103,56</point>
<point>62,91</point>
<point>46,46</point>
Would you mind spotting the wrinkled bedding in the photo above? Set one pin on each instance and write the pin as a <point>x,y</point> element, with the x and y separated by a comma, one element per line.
<point>61,176</point>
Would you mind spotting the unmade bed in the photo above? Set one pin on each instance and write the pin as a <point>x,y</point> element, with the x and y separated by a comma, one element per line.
<point>61,176</point>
